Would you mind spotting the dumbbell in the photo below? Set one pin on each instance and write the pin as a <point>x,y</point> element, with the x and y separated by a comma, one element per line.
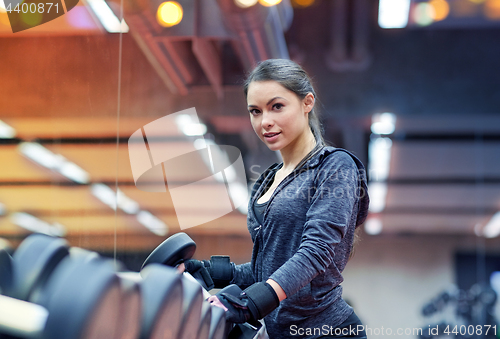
<point>180,247</point>
<point>34,261</point>
<point>153,303</point>
<point>78,300</point>
<point>171,252</point>
<point>162,295</point>
<point>130,301</point>
<point>39,255</point>
<point>5,267</point>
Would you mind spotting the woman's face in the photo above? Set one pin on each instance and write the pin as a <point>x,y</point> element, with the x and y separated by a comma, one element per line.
<point>278,116</point>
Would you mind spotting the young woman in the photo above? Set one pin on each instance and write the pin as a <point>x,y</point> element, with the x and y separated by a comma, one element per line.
<point>302,217</point>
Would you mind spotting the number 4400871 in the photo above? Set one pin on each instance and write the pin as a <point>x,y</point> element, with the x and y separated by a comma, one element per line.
<point>470,330</point>
<point>33,8</point>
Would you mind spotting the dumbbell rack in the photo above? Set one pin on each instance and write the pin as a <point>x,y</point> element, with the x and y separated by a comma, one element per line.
<point>57,292</point>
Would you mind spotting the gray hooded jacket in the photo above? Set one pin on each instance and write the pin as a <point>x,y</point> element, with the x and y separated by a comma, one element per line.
<point>305,240</point>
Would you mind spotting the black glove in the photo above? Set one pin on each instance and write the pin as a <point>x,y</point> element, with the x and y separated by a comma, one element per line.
<point>250,305</point>
<point>216,272</point>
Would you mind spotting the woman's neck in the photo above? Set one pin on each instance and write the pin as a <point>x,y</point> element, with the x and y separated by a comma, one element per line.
<point>293,153</point>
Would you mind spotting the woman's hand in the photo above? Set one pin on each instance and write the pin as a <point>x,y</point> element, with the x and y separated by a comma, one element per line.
<point>250,305</point>
<point>181,268</point>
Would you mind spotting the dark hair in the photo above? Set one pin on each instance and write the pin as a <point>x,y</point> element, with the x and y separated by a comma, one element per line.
<point>291,76</point>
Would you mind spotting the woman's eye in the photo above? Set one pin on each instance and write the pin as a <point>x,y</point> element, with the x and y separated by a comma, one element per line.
<point>278,106</point>
<point>254,112</point>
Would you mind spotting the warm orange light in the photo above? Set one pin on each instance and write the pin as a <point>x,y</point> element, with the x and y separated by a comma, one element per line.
<point>492,9</point>
<point>269,3</point>
<point>245,3</point>
<point>4,19</point>
<point>169,13</point>
<point>304,3</point>
<point>441,9</point>
<point>464,8</point>
<point>477,1</point>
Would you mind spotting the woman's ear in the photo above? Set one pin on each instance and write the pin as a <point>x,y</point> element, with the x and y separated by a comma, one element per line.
<point>308,102</point>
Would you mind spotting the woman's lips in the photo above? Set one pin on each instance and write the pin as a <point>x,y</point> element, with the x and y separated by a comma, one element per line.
<point>270,137</point>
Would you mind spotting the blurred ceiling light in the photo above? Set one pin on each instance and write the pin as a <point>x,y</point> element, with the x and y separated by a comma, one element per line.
<point>128,205</point>
<point>110,198</point>
<point>378,193</point>
<point>424,14</point>
<point>245,3</point>
<point>190,127</point>
<point>303,3</point>
<point>373,226</point>
<point>383,123</point>
<point>169,13</point>
<point>393,13</point>
<point>492,9</point>
<point>32,223</point>
<point>152,223</point>
<point>200,143</point>
<point>6,131</point>
<point>441,9</point>
<point>108,19</point>
<point>194,129</point>
<point>105,194</point>
<point>40,154</point>
<point>74,172</point>
<point>55,162</point>
<point>269,3</point>
<point>379,158</point>
<point>492,228</point>
<point>183,119</point>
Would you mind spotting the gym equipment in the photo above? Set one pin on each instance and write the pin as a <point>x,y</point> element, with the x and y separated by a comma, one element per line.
<point>49,252</point>
<point>34,261</point>
<point>83,254</point>
<point>191,309</point>
<point>473,307</point>
<point>173,251</point>
<point>79,300</point>
<point>130,300</point>
<point>205,321</point>
<point>130,310</point>
<point>162,294</point>
<point>218,324</point>
<point>5,271</point>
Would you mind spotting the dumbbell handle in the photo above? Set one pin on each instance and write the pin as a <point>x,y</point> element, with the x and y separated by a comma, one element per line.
<point>21,318</point>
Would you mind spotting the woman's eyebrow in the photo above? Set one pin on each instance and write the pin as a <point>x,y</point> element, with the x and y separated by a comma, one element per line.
<point>268,101</point>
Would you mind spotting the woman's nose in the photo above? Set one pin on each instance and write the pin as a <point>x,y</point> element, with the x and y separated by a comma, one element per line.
<point>267,120</point>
